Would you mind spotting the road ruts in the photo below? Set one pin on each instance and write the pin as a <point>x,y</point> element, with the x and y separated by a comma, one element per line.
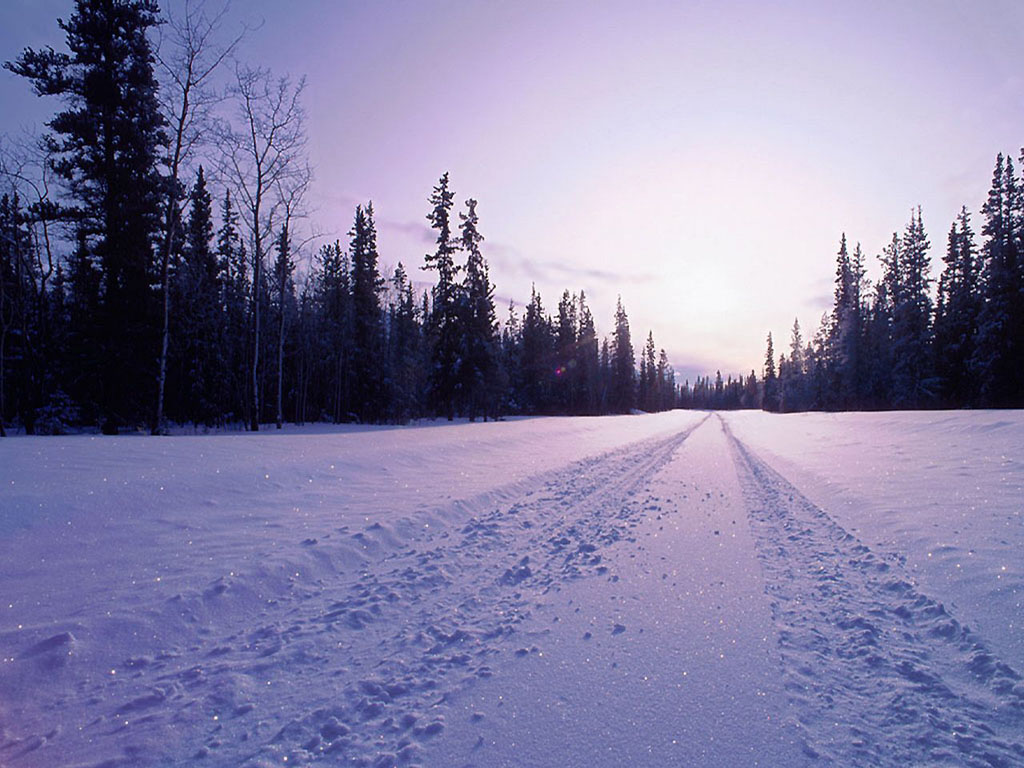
<point>880,673</point>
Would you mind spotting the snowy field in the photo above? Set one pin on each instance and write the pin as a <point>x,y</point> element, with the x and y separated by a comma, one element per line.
<point>682,589</point>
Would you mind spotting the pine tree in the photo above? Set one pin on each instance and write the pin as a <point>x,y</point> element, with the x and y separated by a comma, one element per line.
<point>999,354</point>
<point>770,396</point>
<point>792,385</point>
<point>957,309</point>
<point>197,365</point>
<point>913,385</point>
<point>649,398</point>
<point>107,144</point>
<point>480,327</point>
<point>565,354</point>
<point>588,356</point>
<point>405,360</point>
<point>284,297</point>
<point>622,365</point>
<point>537,357</point>
<point>367,344</point>
<point>446,361</point>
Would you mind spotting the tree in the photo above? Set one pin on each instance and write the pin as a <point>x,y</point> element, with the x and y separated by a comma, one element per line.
<point>999,353</point>
<point>188,62</point>
<point>565,352</point>
<point>792,385</point>
<point>199,323</point>
<point>263,158</point>
<point>405,358</point>
<point>912,309</point>
<point>589,360</point>
<point>446,358</point>
<point>284,294</point>
<point>957,310</point>
<point>623,364</point>
<point>367,318</point>
<point>108,144</point>
<point>478,321</point>
<point>770,397</point>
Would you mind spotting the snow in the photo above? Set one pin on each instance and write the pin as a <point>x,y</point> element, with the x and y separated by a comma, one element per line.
<point>672,589</point>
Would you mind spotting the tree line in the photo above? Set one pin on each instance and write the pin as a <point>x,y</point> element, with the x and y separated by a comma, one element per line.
<point>905,342</point>
<point>149,251</point>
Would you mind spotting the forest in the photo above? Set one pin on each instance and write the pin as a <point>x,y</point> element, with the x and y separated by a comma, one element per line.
<point>150,276</point>
<point>905,343</point>
<point>141,289</point>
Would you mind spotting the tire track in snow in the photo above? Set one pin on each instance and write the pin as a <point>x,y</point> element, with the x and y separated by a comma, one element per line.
<point>882,674</point>
<point>357,671</point>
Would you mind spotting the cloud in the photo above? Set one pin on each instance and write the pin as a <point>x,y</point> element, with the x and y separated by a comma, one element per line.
<point>414,230</point>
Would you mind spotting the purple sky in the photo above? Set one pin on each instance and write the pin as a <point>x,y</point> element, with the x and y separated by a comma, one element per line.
<point>701,159</point>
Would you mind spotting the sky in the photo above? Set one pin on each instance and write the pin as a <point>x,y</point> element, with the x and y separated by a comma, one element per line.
<point>700,159</point>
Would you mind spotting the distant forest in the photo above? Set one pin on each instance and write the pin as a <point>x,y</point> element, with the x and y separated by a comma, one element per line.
<point>148,277</point>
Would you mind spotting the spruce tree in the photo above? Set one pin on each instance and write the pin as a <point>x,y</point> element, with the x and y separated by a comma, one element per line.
<point>565,354</point>
<point>622,364</point>
<point>588,356</point>
<point>284,297</point>
<point>367,345</point>
<point>913,384</point>
<point>957,310</point>
<point>999,354</point>
<point>107,145</point>
<point>446,361</point>
<point>770,396</point>
<point>480,328</point>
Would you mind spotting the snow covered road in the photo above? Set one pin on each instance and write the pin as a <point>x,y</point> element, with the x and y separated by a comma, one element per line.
<point>595,592</point>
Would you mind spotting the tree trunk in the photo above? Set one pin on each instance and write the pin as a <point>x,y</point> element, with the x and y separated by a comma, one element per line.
<point>280,361</point>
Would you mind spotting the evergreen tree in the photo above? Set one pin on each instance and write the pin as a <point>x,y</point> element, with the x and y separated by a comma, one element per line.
<point>107,145</point>
<point>622,365</point>
<point>198,363</point>
<point>792,385</point>
<point>588,356</point>
<point>284,297</point>
<point>480,327</point>
<point>565,354</point>
<point>446,361</point>
<point>405,359</point>
<point>999,354</point>
<point>770,396</point>
<point>912,377</point>
<point>537,357</point>
<point>649,379</point>
<point>958,306</point>
<point>367,317</point>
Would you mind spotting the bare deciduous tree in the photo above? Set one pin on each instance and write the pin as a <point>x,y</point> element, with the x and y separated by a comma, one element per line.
<point>188,55</point>
<point>25,172</point>
<point>263,157</point>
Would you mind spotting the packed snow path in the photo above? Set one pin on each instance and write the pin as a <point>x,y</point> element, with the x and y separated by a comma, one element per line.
<point>881,673</point>
<point>671,600</point>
